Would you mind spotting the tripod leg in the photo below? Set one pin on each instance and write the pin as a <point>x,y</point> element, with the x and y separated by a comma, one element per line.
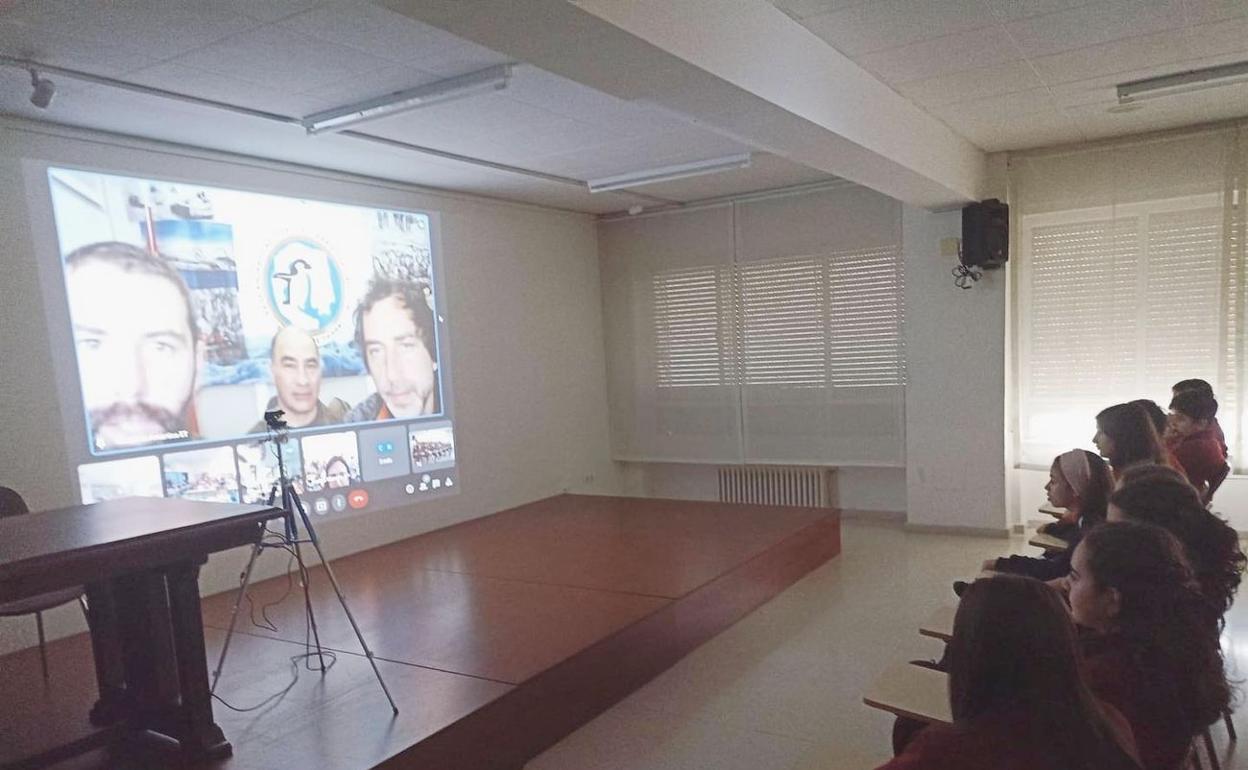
<point>307,604</point>
<point>358,634</point>
<point>238,600</point>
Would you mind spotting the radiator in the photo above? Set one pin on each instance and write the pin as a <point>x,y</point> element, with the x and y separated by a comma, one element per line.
<point>776,485</point>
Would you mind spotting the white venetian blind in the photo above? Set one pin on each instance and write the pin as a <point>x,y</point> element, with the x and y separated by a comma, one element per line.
<point>1130,279</point>
<point>787,346</point>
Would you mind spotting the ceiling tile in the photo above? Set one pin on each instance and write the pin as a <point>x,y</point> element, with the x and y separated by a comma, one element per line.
<point>1011,106</point>
<point>282,59</point>
<point>993,133</point>
<point>1102,90</point>
<point>48,45</point>
<point>1010,10</point>
<point>972,84</point>
<point>884,24</point>
<point>356,88</point>
<point>156,28</point>
<point>194,81</point>
<point>1092,24</point>
<point>766,172</point>
<point>1117,56</point>
<point>266,10</point>
<point>1221,37</point>
<point>586,105</point>
<point>386,34</point>
<point>1207,11</point>
<point>970,49</point>
<point>803,8</point>
<point>1171,112</point>
<point>640,154</point>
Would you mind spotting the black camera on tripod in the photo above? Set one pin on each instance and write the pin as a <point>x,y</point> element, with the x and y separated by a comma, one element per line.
<point>274,420</point>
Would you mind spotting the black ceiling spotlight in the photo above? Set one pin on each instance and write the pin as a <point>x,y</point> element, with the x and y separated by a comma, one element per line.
<point>43,92</point>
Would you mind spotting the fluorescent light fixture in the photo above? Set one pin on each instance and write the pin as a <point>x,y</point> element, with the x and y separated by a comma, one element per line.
<point>668,173</point>
<point>1183,82</point>
<point>490,79</point>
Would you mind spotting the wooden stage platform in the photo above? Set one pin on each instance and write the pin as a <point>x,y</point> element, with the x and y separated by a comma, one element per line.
<point>497,636</point>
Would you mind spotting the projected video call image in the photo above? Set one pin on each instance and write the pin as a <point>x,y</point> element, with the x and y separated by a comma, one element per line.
<point>432,447</point>
<point>202,474</point>
<point>330,461</point>
<point>196,309</point>
<point>134,477</point>
<point>257,469</point>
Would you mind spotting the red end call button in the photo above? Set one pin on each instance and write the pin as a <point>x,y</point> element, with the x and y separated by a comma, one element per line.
<point>357,498</point>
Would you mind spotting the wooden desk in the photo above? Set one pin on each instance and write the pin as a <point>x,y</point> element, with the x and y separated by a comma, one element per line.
<point>911,691</point>
<point>1048,542</point>
<point>1052,510</point>
<point>139,559</point>
<point>939,625</point>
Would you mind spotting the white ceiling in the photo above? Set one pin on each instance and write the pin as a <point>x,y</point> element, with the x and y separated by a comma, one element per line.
<point>1013,74</point>
<point>296,57</point>
<point>1005,74</point>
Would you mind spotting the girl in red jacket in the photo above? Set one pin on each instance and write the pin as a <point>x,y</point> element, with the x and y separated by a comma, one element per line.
<point>1152,648</point>
<point>1016,693</point>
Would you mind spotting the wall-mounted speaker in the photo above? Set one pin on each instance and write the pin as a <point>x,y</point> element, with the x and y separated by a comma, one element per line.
<point>986,234</point>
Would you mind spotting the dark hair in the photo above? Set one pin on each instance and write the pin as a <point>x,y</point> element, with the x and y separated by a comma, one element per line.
<point>1211,545</point>
<point>1150,472</point>
<point>1094,500</point>
<point>411,296</point>
<point>131,259</point>
<point>1166,623</point>
<point>337,459</point>
<point>1194,404</point>
<point>1014,646</point>
<point>1200,386</point>
<point>1133,433</point>
<point>1155,413</point>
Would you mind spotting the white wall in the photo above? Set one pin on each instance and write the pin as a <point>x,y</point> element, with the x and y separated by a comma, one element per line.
<point>525,324</point>
<point>955,387</point>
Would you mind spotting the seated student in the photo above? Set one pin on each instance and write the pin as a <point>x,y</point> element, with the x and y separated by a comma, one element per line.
<point>1151,644</point>
<point>1016,693</point>
<point>1163,498</point>
<point>1201,386</point>
<point>1080,482</point>
<point>1126,436</point>
<point>1195,445</point>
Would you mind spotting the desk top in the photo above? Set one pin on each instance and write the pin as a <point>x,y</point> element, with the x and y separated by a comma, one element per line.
<point>44,541</point>
<point>939,625</point>
<point>911,691</point>
<point>1048,542</point>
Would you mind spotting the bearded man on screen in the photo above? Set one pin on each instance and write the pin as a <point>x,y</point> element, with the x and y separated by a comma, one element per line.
<point>137,344</point>
<point>394,331</point>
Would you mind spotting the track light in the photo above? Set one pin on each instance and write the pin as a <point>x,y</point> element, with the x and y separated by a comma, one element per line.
<point>43,90</point>
<point>668,173</point>
<point>1183,82</point>
<point>490,79</point>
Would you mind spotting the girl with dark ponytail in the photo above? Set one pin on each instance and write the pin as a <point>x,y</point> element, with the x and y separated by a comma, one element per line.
<point>1151,649</point>
<point>1015,691</point>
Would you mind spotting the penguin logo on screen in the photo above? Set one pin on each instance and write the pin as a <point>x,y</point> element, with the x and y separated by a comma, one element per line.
<point>304,284</point>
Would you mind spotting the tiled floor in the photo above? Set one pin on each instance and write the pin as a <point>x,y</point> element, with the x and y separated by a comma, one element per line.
<point>782,689</point>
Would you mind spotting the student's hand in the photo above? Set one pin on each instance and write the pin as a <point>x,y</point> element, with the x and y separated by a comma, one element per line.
<point>1043,528</point>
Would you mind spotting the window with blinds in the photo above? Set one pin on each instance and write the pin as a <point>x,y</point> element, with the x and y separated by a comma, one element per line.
<point>803,322</point>
<point>1119,303</point>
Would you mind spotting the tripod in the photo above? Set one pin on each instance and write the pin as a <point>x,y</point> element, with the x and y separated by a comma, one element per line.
<point>290,541</point>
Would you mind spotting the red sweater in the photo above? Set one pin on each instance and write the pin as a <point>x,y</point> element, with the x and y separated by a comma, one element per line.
<point>1114,677</point>
<point>1202,455</point>
<point>1002,741</point>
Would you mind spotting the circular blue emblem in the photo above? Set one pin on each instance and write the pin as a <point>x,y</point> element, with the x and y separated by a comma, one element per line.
<point>303,284</point>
